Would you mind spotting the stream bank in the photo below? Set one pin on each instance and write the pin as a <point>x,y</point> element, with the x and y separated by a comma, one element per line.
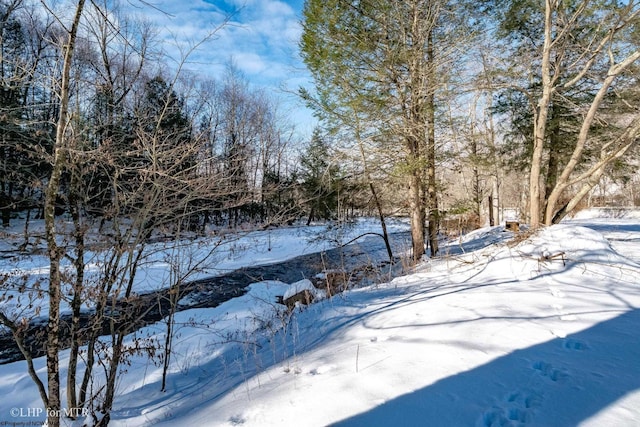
<point>365,261</point>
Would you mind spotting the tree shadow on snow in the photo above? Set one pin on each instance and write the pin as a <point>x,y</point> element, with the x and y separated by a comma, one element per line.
<point>607,227</point>
<point>562,382</point>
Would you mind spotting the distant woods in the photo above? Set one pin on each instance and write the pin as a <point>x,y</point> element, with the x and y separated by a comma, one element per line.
<point>189,150</point>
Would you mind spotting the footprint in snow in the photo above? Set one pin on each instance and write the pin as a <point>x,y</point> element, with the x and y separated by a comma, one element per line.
<point>498,417</point>
<point>516,409</point>
<point>510,415</point>
<point>526,400</point>
<point>557,293</point>
<point>575,345</point>
<point>547,370</point>
<point>237,420</point>
<point>321,370</point>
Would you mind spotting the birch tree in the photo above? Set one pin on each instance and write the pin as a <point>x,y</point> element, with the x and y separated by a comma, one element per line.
<point>55,252</point>
<point>588,48</point>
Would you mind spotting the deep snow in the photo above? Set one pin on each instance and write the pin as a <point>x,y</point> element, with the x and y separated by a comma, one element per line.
<point>500,332</point>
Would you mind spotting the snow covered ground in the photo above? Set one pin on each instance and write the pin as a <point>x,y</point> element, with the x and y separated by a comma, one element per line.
<point>540,331</point>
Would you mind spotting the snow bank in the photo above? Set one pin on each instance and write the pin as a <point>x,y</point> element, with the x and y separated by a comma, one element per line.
<point>494,336</point>
<point>578,243</point>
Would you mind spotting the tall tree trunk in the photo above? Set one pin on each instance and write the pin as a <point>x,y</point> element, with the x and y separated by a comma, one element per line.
<point>553,167</point>
<point>74,205</point>
<point>494,204</point>
<point>540,121</point>
<point>478,197</point>
<point>60,157</point>
<point>432,190</point>
<point>416,214</point>
<point>492,220</point>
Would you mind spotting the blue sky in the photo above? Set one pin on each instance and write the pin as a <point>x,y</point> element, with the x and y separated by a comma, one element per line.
<point>261,38</point>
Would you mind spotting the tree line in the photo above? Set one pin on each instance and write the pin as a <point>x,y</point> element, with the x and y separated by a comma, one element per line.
<point>126,116</point>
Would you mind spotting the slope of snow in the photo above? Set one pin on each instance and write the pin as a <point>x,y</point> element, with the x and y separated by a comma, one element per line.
<point>499,336</point>
<point>539,332</point>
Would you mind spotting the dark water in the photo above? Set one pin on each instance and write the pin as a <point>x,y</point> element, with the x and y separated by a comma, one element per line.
<point>365,261</point>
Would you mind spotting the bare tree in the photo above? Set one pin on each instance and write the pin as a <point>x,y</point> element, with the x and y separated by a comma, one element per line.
<point>114,70</point>
<point>60,158</point>
<point>599,60</point>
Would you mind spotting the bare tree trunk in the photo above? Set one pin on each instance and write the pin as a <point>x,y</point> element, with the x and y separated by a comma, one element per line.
<point>478,197</point>
<point>55,252</point>
<point>117,336</point>
<point>492,220</point>
<point>540,121</point>
<point>74,204</point>
<point>432,191</point>
<point>112,374</point>
<point>416,215</point>
<point>18,335</point>
<point>494,203</point>
<point>55,255</point>
<point>168,342</point>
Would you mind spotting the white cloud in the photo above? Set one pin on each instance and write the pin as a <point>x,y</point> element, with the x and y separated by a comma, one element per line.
<point>261,37</point>
<point>262,33</point>
<point>277,8</point>
<point>250,63</point>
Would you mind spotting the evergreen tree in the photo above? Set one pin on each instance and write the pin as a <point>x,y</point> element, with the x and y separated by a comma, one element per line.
<point>319,179</point>
<point>381,64</point>
<point>24,136</point>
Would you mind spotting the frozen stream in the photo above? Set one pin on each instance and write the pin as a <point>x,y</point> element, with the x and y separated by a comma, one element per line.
<point>210,292</point>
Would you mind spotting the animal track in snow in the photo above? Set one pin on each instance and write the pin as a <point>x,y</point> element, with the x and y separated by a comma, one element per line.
<point>557,293</point>
<point>547,370</point>
<point>517,409</point>
<point>321,370</point>
<point>575,345</point>
<point>527,400</point>
<point>237,420</point>
<point>559,308</point>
